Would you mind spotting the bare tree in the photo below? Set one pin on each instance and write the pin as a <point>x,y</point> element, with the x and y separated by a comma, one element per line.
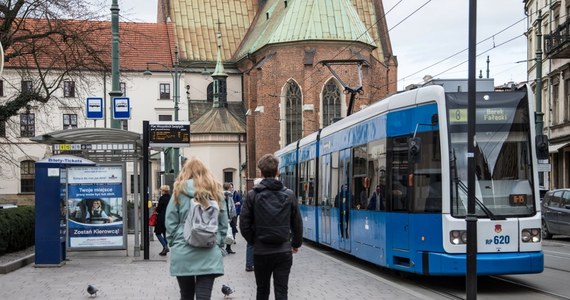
<point>47,41</point>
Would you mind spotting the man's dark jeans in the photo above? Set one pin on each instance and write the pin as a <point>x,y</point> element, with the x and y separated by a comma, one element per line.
<point>278,265</point>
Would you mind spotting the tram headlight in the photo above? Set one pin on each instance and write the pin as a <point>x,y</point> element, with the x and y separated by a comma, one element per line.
<point>525,236</point>
<point>458,237</point>
<point>531,235</point>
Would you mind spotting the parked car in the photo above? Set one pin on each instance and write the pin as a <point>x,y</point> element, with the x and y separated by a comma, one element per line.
<point>556,213</point>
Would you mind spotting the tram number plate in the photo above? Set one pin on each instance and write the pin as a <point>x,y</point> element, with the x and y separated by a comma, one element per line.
<point>518,200</point>
<point>499,240</point>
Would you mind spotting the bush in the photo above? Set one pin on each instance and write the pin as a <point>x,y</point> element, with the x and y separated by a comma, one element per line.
<point>17,227</point>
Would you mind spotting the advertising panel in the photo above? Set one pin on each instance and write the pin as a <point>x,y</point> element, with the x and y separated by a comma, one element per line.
<point>95,197</point>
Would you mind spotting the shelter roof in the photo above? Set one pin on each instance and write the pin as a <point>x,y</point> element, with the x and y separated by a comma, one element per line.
<point>89,136</point>
<point>96,144</point>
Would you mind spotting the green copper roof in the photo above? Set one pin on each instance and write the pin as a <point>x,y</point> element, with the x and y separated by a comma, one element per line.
<point>300,20</point>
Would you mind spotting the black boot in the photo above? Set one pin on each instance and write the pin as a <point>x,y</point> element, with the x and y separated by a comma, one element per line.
<point>163,252</point>
<point>229,250</point>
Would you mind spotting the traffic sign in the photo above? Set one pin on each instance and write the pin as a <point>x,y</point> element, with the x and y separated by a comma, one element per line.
<point>121,108</point>
<point>169,134</point>
<point>94,108</point>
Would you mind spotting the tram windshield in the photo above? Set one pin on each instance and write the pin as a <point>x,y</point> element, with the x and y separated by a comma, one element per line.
<point>503,164</point>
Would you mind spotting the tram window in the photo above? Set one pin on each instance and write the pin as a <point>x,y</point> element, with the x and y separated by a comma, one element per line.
<point>376,160</point>
<point>397,181</point>
<point>334,175</point>
<point>302,181</point>
<point>360,181</point>
<point>325,181</point>
<point>426,178</point>
<point>311,173</point>
<point>289,177</point>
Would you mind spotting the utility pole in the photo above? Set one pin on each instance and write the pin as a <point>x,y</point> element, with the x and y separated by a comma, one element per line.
<point>115,86</point>
<point>471,217</point>
<point>175,158</point>
<point>539,114</point>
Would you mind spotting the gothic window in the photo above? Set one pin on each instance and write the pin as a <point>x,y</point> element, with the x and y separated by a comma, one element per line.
<point>293,121</point>
<point>331,103</point>
<point>210,92</point>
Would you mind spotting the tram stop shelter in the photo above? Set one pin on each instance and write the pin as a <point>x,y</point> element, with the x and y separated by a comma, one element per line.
<point>103,145</point>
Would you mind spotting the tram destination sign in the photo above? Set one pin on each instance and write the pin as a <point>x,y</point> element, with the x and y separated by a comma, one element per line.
<point>169,134</point>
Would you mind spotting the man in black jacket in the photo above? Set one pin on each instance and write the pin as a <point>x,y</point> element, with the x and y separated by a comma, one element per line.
<point>270,220</point>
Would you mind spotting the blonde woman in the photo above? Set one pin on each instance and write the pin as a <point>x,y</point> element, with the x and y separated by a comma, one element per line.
<point>195,268</point>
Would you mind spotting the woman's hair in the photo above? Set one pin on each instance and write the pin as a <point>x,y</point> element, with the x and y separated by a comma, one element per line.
<point>165,188</point>
<point>206,187</point>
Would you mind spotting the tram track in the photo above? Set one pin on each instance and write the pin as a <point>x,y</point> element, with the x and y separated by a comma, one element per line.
<point>532,288</point>
<point>489,287</point>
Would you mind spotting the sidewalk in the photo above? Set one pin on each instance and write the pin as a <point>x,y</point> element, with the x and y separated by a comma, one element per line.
<point>117,276</point>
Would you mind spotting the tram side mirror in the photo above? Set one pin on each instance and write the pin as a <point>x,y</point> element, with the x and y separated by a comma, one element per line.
<point>541,147</point>
<point>414,149</point>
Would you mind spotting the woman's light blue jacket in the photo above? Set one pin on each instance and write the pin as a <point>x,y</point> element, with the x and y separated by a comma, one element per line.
<point>186,260</point>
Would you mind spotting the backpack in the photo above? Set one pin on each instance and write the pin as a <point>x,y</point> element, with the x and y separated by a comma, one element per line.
<point>272,214</point>
<point>201,225</point>
<point>231,206</point>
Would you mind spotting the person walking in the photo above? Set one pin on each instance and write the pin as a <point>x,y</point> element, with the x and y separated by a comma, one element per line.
<point>271,221</point>
<point>160,228</point>
<point>236,195</point>
<point>249,266</point>
<point>195,268</point>
<point>231,212</point>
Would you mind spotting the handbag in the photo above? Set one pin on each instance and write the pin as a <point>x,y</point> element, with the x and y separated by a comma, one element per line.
<point>153,219</point>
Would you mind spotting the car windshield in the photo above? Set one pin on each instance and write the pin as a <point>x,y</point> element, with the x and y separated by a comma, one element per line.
<point>503,166</point>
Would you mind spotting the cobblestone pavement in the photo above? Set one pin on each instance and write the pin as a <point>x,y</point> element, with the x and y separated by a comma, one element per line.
<point>121,275</point>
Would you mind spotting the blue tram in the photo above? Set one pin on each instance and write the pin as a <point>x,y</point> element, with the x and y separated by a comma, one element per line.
<point>388,184</point>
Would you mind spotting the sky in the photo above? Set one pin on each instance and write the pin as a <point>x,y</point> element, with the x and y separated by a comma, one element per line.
<point>430,37</point>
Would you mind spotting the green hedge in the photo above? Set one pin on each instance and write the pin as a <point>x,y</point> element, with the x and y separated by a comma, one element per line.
<point>17,227</point>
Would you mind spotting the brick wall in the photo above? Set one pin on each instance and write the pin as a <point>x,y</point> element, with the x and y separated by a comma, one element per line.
<point>267,72</point>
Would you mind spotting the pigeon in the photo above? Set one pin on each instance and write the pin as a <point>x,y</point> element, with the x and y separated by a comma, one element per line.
<point>92,291</point>
<point>226,290</point>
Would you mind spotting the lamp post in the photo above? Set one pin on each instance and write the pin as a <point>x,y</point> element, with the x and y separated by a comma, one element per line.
<point>115,86</point>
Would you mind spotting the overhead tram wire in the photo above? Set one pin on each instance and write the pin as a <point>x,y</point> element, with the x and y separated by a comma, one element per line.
<point>503,43</point>
<point>461,51</point>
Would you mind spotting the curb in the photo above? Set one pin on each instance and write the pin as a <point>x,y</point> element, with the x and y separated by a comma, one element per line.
<point>15,265</point>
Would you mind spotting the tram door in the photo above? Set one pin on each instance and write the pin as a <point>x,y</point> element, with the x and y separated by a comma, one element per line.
<point>400,194</point>
<point>344,199</point>
<point>326,201</point>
